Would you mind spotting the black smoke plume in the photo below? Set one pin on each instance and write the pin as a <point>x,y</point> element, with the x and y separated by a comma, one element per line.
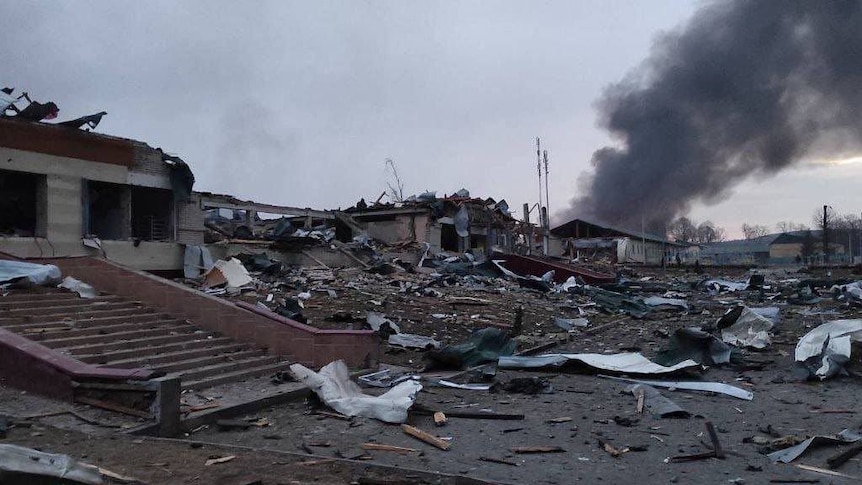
<point>747,88</point>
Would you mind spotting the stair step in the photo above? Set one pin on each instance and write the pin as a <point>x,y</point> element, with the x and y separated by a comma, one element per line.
<point>78,315</point>
<point>223,368</point>
<point>48,310</point>
<point>165,330</point>
<point>135,343</point>
<point>122,357</point>
<point>209,360</point>
<point>237,376</point>
<point>54,301</point>
<point>28,296</point>
<point>158,358</point>
<point>101,330</point>
<point>86,322</point>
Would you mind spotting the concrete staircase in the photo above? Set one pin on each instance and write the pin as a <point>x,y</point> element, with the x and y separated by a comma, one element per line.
<point>113,331</point>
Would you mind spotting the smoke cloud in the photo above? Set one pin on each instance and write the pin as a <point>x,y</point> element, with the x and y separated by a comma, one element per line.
<point>747,88</point>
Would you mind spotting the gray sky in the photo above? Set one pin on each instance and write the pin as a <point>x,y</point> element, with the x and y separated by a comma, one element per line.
<point>300,103</point>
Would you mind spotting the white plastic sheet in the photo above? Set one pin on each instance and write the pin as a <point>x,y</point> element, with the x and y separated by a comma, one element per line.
<point>831,343</point>
<point>37,274</point>
<point>334,387</point>
<point>82,289</point>
<point>624,363</point>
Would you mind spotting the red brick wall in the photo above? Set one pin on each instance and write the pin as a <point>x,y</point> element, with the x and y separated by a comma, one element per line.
<point>280,336</point>
<point>66,142</point>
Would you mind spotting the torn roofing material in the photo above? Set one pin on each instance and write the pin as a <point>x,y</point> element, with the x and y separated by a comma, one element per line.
<point>825,350</point>
<point>625,363</point>
<point>718,387</point>
<point>789,454</point>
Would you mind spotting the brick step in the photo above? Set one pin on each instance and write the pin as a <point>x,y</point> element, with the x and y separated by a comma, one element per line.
<point>224,368</point>
<point>137,343</point>
<point>29,296</point>
<point>210,360</point>
<point>82,323</point>
<point>78,315</point>
<point>122,357</point>
<point>101,330</point>
<point>68,309</point>
<point>237,376</point>
<point>59,343</point>
<point>54,302</point>
<point>163,354</point>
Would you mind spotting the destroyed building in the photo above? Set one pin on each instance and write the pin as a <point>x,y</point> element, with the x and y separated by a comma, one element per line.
<point>456,223</point>
<point>579,238</point>
<point>68,192</point>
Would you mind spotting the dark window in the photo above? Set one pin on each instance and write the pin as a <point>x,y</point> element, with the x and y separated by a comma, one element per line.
<point>22,204</point>
<point>152,214</point>
<point>107,210</point>
<point>448,237</point>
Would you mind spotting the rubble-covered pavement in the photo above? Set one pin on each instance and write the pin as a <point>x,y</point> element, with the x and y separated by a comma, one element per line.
<point>585,419</point>
<point>731,327</point>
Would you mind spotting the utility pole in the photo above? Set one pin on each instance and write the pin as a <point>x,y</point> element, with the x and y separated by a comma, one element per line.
<point>825,235</point>
<point>547,211</point>
<point>539,170</point>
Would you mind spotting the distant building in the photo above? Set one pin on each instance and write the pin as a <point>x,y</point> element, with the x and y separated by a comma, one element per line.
<point>579,238</point>
<point>779,248</point>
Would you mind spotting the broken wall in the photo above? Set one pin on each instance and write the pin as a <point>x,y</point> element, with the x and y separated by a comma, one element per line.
<point>60,207</point>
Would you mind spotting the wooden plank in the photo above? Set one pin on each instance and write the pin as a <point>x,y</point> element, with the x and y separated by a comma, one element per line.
<point>423,436</point>
<point>537,449</point>
<point>382,447</point>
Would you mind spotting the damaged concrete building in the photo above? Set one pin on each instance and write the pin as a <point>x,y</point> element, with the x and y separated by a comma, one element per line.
<point>456,223</point>
<point>68,192</point>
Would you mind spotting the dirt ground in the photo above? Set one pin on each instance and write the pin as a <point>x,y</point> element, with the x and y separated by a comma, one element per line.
<point>578,414</point>
<point>164,461</point>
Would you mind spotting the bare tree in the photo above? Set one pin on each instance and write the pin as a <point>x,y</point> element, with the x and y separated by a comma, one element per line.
<point>790,226</point>
<point>707,232</point>
<point>826,220</point>
<point>754,231</point>
<point>683,230</point>
<point>394,186</point>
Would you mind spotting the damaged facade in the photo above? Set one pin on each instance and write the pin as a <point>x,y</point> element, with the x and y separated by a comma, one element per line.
<point>67,192</point>
<point>457,223</point>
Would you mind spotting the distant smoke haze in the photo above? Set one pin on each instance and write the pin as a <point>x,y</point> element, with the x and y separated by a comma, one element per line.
<point>747,88</point>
